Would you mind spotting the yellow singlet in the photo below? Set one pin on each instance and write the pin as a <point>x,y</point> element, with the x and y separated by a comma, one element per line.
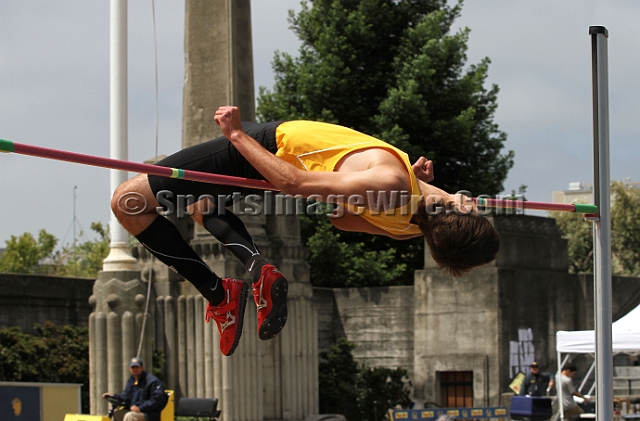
<point>315,146</point>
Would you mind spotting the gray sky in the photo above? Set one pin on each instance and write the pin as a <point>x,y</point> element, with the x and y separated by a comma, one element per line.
<point>54,84</point>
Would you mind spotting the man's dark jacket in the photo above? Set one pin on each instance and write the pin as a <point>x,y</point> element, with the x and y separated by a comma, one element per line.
<point>147,394</point>
<point>535,384</point>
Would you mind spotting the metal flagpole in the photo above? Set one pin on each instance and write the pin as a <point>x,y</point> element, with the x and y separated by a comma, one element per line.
<point>119,257</point>
<point>602,225</point>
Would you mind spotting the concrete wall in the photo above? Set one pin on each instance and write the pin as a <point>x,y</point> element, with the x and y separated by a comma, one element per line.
<point>439,324</point>
<point>456,329</point>
<point>26,300</point>
<point>378,320</point>
<point>466,324</point>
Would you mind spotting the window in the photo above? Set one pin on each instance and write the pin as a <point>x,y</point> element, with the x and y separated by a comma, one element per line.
<point>456,389</point>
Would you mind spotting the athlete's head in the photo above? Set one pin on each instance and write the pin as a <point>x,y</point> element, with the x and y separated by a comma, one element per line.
<point>458,241</point>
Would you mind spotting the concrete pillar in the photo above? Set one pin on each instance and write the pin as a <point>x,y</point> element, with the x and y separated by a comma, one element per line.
<point>118,300</point>
<point>128,342</point>
<point>114,352</point>
<point>217,361</point>
<point>182,346</point>
<point>171,349</point>
<point>218,65</point>
<point>100,382</point>
<point>219,71</point>
<point>209,351</point>
<point>315,402</point>
<point>199,340</point>
<point>191,352</point>
<point>93,398</point>
<point>286,371</point>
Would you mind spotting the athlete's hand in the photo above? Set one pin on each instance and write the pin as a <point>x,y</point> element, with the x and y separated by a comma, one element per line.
<point>228,118</point>
<point>423,169</point>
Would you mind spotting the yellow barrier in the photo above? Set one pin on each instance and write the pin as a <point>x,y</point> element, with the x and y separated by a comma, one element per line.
<point>168,411</point>
<point>165,415</point>
<point>38,401</point>
<point>82,417</point>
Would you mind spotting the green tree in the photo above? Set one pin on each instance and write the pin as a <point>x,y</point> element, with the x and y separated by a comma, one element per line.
<point>67,359</point>
<point>381,389</point>
<point>579,234</point>
<point>355,390</point>
<point>85,259</point>
<point>53,355</point>
<point>625,241</point>
<point>625,226</point>
<point>337,377</point>
<point>392,69</point>
<point>21,356</point>
<point>349,264</point>
<point>25,254</point>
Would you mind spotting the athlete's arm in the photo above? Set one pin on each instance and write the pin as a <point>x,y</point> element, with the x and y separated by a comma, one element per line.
<point>334,187</point>
<point>350,222</point>
<point>423,169</point>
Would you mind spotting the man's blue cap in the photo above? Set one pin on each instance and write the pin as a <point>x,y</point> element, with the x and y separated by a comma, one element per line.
<point>135,362</point>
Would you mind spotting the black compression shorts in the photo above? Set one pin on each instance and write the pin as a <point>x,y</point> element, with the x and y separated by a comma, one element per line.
<point>217,156</point>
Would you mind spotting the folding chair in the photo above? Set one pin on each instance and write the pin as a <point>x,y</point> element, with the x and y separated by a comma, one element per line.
<point>205,408</point>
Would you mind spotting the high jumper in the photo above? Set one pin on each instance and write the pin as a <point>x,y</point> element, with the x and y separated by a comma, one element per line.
<point>308,159</point>
<point>301,158</point>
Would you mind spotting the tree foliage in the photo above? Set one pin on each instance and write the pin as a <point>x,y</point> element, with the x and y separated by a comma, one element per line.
<point>25,254</point>
<point>349,264</point>
<point>53,355</point>
<point>394,70</point>
<point>625,226</point>
<point>84,259</point>
<point>21,356</point>
<point>338,374</point>
<point>579,234</point>
<point>625,238</point>
<point>381,389</point>
<point>355,390</point>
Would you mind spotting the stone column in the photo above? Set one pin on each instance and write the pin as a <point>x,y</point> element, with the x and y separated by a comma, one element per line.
<point>263,379</point>
<point>218,65</point>
<point>115,325</point>
<point>274,379</point>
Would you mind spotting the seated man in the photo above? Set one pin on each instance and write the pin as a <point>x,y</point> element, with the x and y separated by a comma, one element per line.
<point>143,395</point>
<point>324,161</point>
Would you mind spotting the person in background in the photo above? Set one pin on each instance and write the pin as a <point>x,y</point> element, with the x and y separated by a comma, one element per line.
<point>536,383</point>
<point>569,405</point>
<point>143,395</point>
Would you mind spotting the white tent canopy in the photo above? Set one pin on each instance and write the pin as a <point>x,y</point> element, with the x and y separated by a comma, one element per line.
<point>625,332</point>
<point>626,339</point>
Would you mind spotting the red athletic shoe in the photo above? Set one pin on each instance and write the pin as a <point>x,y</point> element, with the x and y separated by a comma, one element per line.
<point>229,314</point>
<point>270,295</point>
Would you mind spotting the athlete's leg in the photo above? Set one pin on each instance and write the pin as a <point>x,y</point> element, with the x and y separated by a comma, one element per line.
<point>270,287</point>
<point>134,204</point>
<point>163,239</point>
<point>227,228</point>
